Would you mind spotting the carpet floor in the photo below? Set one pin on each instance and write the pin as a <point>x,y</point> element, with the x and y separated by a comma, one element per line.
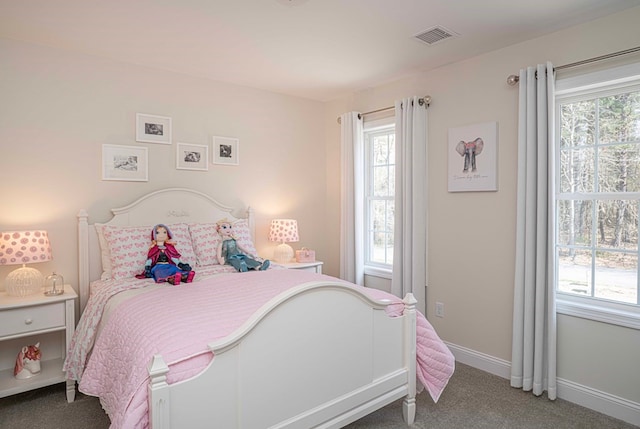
<point>473,399</point>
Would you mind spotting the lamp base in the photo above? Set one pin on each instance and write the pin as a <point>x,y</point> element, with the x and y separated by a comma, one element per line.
<point>24,281</point>
<point>283,253</point>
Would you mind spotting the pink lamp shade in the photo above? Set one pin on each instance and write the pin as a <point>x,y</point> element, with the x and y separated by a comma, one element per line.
<point>283,231</point>
<point>24,247</point>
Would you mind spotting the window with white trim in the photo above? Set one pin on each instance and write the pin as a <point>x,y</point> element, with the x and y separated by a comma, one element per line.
<point>597,193</point>
<point>379,190</point>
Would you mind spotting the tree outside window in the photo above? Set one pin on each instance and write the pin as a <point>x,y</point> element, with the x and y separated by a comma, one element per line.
<point>598,195</point>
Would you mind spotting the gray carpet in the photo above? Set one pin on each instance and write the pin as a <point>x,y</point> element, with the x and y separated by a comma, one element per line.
<point>473,399</point>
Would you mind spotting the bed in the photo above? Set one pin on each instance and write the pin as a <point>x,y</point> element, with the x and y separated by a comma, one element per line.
<point>277,348</point>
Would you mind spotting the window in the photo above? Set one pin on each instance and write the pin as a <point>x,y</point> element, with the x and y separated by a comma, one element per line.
<point>597,180</point>
<point>379,189</point>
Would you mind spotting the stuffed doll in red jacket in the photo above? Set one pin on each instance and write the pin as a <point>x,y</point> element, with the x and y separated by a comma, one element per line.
<point>163,259</point>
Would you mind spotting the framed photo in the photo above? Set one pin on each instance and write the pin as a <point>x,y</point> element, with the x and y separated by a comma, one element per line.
<point>226,150</point>
<point>473,158</point>
<point>192,157</point>
<point>128,163</point>
<point>153,129</point>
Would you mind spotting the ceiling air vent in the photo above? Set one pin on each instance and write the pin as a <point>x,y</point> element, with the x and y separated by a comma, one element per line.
<point>435,35</point>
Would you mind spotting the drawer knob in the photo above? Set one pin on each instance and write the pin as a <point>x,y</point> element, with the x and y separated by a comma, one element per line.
<point>28,321</point>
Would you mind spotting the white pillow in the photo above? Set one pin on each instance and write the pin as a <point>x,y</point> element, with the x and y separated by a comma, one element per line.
<point>104,253</point>
<point>128,247</point>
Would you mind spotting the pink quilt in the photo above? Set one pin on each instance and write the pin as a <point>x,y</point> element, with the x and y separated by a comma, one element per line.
<point>157,323</point>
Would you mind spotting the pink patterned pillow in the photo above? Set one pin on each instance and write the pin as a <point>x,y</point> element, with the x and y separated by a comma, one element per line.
<point>206,239</point>
<point>182,237</point>
<point>243,235</point>
<point>128,247</point>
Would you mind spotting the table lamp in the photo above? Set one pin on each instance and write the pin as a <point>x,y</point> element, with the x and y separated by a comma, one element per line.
<point>283,231</point>
<point>24,247</point>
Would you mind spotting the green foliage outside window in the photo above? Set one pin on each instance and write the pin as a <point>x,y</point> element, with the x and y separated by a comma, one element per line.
<point>598,198</point>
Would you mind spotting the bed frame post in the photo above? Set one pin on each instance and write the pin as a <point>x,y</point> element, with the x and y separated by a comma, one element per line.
<point>409,402</point>
<point>159,412</point>
<point>83,257</point>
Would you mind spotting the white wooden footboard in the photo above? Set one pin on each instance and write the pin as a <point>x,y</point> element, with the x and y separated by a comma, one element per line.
<point>321,355</point>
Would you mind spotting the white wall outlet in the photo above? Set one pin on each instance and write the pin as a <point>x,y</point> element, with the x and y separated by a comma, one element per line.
<point>439,309</point>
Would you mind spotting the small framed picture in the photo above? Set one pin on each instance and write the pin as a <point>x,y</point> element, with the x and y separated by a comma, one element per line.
<point>153,128</point>
<point>192,157</point>
<point>226,150</point>
<point>128,163</point>
<point>473,158</point>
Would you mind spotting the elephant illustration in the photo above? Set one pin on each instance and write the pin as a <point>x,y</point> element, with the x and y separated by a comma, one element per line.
<point>470,150</point>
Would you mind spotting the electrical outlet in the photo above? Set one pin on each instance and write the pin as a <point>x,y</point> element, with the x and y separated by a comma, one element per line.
<point>439,309</point>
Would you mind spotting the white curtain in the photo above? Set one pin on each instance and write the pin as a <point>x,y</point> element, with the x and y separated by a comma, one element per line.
<point>351,208</point>
<point>410,233</point>
<point>533,362</point>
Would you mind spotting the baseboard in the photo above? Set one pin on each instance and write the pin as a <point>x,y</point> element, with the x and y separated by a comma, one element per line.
<point>487,363</point>
<point>585,396</point>
<point>597,400</point>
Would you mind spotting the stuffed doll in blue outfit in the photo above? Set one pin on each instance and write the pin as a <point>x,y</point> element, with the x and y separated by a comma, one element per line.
<point>230,252</point>
<point>163,259</point>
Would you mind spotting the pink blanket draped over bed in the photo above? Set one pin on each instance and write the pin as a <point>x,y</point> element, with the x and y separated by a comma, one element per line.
<point>157,323</point>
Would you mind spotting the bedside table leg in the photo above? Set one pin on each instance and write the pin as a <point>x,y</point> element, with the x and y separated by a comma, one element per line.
<point>71,390</point>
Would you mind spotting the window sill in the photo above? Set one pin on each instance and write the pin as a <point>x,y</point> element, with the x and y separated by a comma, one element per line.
<point>384,273</point>
<point>613,314</point>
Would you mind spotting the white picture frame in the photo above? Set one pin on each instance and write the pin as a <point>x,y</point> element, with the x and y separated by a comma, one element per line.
<point>192,157</point>
<point>125,163</point>
<point>473,158</point>
<point>226,150</point>
<point>153,128</point>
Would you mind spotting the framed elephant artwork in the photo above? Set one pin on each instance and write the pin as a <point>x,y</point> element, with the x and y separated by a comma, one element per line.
<point>473,158</point>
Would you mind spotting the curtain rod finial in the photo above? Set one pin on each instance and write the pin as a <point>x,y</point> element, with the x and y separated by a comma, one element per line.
<point>427,100</point>
<point>513,80</point>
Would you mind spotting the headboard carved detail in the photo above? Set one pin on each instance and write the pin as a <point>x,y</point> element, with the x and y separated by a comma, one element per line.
<point>176,213</point>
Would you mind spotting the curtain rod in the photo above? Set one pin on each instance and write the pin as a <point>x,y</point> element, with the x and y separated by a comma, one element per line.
<point>426,100</point>
<point>513,79</point>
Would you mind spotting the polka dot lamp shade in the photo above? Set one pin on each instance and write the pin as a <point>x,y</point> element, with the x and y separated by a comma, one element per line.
<point>24,247</point>
<point>283,231</point>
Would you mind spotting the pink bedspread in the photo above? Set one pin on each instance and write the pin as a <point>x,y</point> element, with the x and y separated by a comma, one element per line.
<point>157,323</point>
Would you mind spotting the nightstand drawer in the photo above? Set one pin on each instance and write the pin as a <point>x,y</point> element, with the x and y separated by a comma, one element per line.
<point>21,320</point>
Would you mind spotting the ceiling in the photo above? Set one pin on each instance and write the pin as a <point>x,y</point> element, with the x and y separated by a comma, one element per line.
<point>317,49</point>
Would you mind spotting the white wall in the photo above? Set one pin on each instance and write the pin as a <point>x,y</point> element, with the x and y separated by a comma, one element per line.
<point>58,108</point>
<point>472,235</point>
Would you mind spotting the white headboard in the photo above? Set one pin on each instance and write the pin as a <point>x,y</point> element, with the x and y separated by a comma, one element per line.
<point>171,205</point>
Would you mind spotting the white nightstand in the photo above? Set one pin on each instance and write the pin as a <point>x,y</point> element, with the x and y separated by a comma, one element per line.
<point>315,267</point>
<point>29,320</point>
